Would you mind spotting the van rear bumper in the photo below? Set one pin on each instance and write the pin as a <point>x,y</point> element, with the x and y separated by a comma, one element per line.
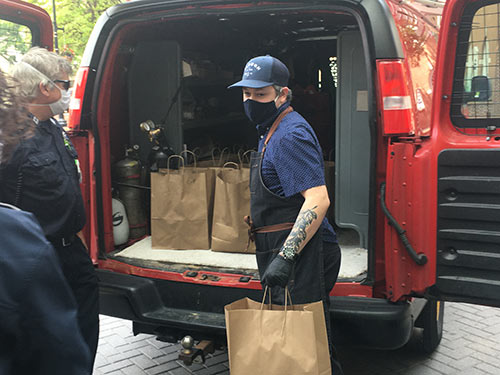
<point>359,321</point>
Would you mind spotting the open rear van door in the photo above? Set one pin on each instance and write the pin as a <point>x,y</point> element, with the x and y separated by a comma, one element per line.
<point>466,151</point>
<point>22,26</point>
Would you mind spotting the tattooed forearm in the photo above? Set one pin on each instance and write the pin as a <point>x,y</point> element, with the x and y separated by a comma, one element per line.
<point>298,234</point>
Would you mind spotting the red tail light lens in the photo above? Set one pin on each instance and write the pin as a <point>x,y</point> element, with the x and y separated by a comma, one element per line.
<point>75,106</point>
<point>395,100</point>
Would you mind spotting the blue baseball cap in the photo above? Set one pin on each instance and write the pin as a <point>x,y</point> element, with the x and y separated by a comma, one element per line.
<point>263,71</point>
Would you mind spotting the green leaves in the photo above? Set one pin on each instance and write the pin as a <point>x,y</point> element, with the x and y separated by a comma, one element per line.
<point>15,40</point>
<point>75,21</point>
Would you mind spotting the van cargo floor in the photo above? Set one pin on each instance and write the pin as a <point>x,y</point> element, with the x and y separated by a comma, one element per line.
<point>354,259</point>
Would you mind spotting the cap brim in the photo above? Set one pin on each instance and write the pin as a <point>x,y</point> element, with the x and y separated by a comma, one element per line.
<point>251,83</point>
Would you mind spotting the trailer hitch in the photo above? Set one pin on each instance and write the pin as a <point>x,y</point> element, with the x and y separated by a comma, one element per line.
<point>419,258</point>
<point>191,352</point>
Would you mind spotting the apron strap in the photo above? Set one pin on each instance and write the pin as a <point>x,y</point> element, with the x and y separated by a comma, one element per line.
<point>265,229</point>
<point>275,126</point>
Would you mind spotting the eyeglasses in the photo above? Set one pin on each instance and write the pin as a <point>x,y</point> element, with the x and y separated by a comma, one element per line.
<point>66,84</point>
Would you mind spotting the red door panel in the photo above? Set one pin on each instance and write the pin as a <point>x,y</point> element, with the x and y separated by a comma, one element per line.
<point>37,19</point>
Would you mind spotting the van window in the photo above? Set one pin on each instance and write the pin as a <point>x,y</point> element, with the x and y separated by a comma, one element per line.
<point>476,91</point>
<point>15,40</point>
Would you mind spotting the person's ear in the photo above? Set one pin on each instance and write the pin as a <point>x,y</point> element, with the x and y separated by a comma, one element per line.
<point>284,95</point>
<point>44,89</point>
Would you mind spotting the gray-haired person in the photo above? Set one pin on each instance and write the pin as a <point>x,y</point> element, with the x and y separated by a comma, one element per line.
<point>43,174</point>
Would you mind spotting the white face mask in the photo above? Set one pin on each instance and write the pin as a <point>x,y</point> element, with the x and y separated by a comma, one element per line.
<point>61,105</point>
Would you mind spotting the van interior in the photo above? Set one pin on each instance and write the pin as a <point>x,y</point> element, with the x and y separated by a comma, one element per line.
<point>174,71</point>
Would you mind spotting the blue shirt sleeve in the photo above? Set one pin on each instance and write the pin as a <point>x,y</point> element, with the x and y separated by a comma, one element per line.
<point>299,161</point>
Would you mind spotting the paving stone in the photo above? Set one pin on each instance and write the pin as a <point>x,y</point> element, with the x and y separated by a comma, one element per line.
<point>464,363</point>
<point>217,369</point>
<point>115,366</point>
<point>180,371</point>
<point>420,370</point>
<point>151,351</point>
<point>162,369</point>
<point>489,369</point>
<point>440,367</point>
<point>120,355</point>
<point>167,357</point>
<point>469,371</point>
<point>133,370</point>
<point>484,358</point>
<point>143,362</point>
<point>213,360</point>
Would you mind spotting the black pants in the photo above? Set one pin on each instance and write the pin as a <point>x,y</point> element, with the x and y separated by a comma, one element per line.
<point>331,259</point>
<point>82,279</point>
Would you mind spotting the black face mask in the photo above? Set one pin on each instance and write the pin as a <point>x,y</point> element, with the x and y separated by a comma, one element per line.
<point>259,112</point>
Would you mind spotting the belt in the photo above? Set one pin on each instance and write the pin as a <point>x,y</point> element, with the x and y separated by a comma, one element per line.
<point>265,229</point>
<point>62,241</point>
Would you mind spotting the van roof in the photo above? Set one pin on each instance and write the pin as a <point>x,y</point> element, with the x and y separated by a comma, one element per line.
<point>380,21</point>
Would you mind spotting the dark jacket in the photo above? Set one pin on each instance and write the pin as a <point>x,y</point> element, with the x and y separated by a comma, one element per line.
<point>39,332</point>
<point>42,178</point>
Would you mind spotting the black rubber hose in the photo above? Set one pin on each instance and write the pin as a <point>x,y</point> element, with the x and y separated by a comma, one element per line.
<point>421,258</point>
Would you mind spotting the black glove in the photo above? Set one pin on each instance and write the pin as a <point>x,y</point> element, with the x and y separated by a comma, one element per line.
<point>278,272</point>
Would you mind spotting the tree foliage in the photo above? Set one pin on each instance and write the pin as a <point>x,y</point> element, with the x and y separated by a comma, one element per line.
<point>15,40</point>
<point>75,21</point>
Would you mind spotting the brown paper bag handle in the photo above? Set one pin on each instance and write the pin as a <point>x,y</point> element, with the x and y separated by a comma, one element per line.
<point>237,148</point>
<point>231,163</point>
<point>241,156</point>
<point>221,155</point>
<point>189,152</point>
<point>213,154</point>
<point>287,296</point>
<point>174,156</point>
<point>264,299</point>
<point>224,150</point>
<point>330,155</point>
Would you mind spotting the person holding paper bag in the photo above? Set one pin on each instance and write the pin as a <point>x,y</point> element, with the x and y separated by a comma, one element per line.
<point>295,244</point>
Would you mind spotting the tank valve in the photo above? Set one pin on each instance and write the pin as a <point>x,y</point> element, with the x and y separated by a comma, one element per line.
<point>153,131</point>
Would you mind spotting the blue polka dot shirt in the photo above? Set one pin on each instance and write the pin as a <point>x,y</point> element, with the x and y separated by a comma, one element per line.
<point>293,161</point>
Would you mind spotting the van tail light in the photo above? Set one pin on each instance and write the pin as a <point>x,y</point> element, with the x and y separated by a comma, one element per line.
<point>75,105</point>
<point>394,98</point>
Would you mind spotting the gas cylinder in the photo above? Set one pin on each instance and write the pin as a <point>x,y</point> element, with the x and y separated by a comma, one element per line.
<point>128,172</point>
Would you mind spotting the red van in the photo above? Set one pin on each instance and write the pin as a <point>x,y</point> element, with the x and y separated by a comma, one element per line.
<point>407,115</point>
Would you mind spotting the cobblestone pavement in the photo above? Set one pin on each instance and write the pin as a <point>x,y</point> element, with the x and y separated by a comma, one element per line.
<point>470,346</point>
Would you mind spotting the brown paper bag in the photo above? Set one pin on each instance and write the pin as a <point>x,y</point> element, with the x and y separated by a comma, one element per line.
<point>193,165</point>
<point>266,339</point>
<point>231,205</point>
<point>180,209</point>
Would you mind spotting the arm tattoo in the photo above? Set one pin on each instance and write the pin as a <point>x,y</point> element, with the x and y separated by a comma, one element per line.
<point>298,234</point>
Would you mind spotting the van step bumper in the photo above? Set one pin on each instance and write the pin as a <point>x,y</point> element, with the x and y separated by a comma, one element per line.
<point>367,322</point>
<point>137,299</point>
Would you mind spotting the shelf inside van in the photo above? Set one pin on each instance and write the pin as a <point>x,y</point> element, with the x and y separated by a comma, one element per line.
<point>354,259</point>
